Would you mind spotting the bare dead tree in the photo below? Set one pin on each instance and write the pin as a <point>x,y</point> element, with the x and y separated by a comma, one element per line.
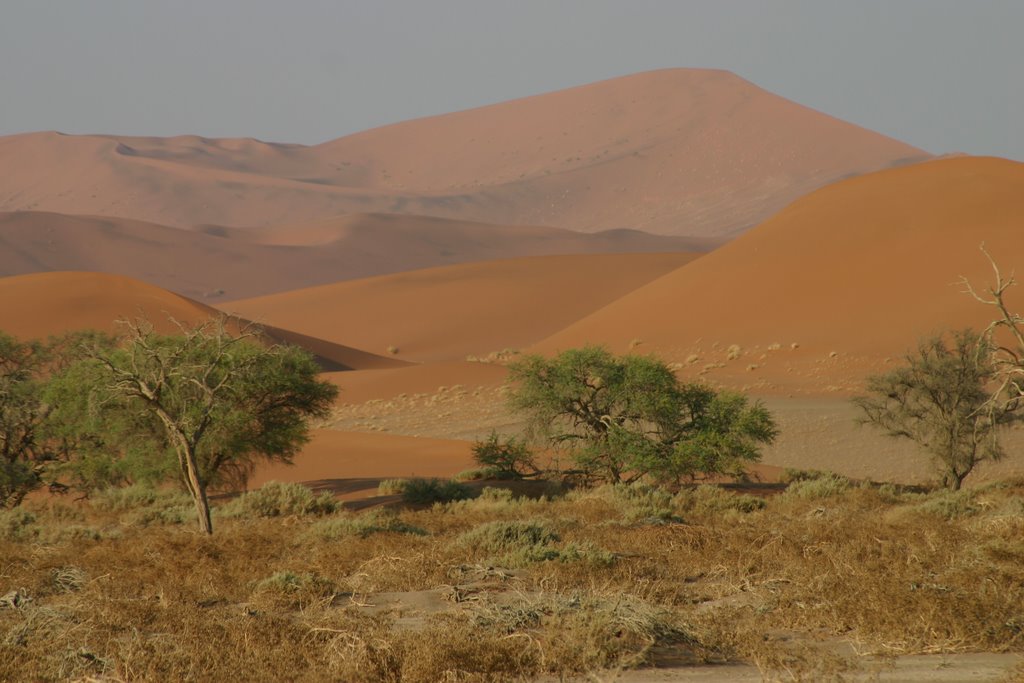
<point>1005,336</point>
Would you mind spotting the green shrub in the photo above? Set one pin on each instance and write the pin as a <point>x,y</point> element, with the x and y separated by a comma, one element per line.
<point>137,496</point>
<point>825,486</point>
<point>510,458</point>
<point>427,491</point>
<point>948,504</point>
<point>294,589</point>
<point>514,544</point>
<point>392,487</point>
<point>363,526</point>
<point>710,499</point>
<point>637,502</point>
<point>17,525</point>
<point>278,499</point>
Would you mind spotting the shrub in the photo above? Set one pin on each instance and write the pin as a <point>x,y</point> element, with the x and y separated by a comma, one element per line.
<point>427,491</point>
<point>17,525</point>
<point>294,589</point>
<point>710,499</point>
<point>278,499</point>
<point>629,417</point>
<point>824,486</point>
<point>392,487</point>
<point>514,543</point>
<point>363,526</point>
<point>506,459</point>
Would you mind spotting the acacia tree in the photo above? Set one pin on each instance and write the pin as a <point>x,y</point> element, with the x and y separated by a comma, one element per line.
<point>21,412</point>
<point>942,400</point>
<point>624,418</point>
<point>219,401</point>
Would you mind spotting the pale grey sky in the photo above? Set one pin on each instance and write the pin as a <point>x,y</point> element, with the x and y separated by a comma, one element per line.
<point>945,75</point>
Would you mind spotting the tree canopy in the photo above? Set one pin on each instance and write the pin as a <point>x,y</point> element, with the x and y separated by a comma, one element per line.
<point>622,418</point>
<point>942,400</point>
<point>204,404</point>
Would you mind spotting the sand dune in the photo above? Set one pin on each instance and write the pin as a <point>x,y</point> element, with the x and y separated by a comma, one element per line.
<point>677,151</point>
<point>451,312</point>
<point>41,305</point>
<point>854,273</point>
<point>216,264</point>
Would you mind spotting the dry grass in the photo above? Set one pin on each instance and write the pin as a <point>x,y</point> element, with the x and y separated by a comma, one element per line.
<point>420,595</point>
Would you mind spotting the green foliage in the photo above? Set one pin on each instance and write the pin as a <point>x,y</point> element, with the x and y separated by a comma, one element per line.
<point>825,486</point>
<point>627,417</point>
<point>21,413</point>
<point>427,491</point>
<point>363,526</point>
<point>205,405</point>
<point>278,499</point>
<point>942,400</point>
<point>145,505</point>
<point>517,544</point>
<point>504,459</point>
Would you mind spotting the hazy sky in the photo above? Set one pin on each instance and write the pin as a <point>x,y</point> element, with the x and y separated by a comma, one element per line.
<point>945,75</point>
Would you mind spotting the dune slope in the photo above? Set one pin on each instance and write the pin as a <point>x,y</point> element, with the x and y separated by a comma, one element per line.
<point>40,305</point>
<point>859,269</point>
<point>471,309</point>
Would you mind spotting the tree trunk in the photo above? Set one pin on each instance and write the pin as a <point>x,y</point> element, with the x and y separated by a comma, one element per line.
<point>198,490</point>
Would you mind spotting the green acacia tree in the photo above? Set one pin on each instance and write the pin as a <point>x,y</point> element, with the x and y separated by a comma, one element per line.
<point>22,461</point>
<point>942,400</point>
<point>215,401</point>
<point>622,418</point>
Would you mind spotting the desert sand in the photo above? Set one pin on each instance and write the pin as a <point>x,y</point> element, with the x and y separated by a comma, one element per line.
<point>677,151</point>
<point>452,312</point>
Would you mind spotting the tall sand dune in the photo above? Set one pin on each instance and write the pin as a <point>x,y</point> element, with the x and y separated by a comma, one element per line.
<point>452,312</point>
<point>215,264</point>
<point>40,305</point>
<point>854,274</point>
<point>676,151</point>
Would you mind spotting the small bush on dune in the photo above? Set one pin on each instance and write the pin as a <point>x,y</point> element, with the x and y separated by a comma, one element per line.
<point>427,491</point>
<point>277,499</point>
<point>507,458</point>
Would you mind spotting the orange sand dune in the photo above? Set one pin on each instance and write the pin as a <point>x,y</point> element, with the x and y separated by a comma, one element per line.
<point>677,151</point>
<point>41,305</point>
<point>860,269</point>
<point>471,309</point>
<point>215,264</point>
<point>359,386</point>
<point>360,456</point>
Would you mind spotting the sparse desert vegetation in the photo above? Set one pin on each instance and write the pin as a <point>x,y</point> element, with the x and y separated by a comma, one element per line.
<point>808,586</point>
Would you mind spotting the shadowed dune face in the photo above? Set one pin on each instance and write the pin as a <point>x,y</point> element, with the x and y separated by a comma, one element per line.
<point>861,269</point>
<point>214,264</point>
<point>678,151</point>
<point>452,312</point>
